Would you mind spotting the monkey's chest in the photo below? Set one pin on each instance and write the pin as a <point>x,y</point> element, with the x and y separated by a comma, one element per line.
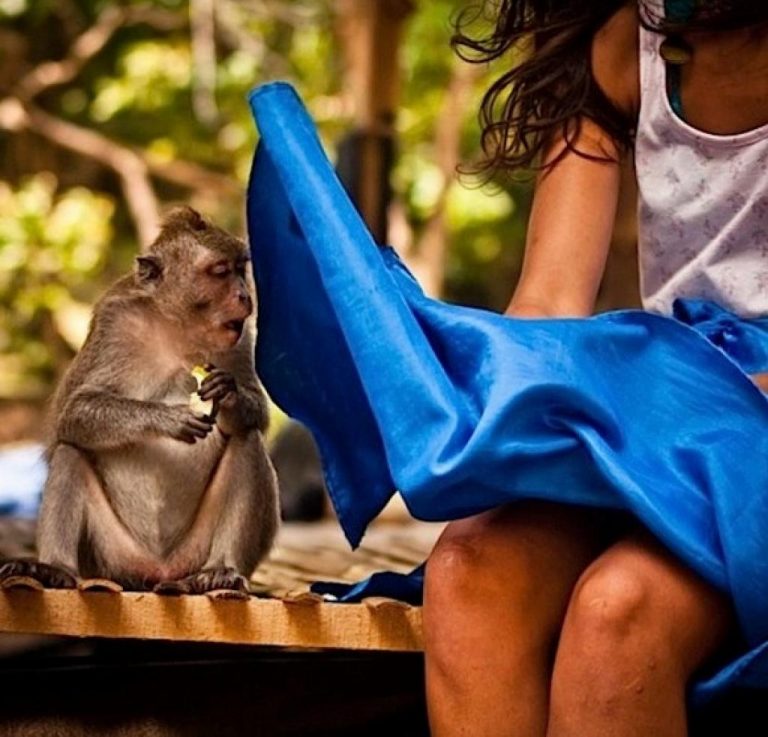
<point>156,487</point>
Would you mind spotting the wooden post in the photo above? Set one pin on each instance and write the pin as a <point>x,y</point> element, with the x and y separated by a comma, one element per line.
<point>370,33</point>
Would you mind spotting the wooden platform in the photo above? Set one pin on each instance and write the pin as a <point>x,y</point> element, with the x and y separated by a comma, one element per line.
<point>281,611</point>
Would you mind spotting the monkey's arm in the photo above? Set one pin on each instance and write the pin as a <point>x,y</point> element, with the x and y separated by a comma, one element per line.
<point>254,412</point>
<point>95,419</point>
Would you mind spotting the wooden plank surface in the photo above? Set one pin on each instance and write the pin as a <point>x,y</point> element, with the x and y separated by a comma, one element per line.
<point>308,624</point>
<point>291,617</point>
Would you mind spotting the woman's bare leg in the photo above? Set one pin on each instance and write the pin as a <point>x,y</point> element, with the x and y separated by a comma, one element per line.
<point>496,591</point>
<point>639,623</point>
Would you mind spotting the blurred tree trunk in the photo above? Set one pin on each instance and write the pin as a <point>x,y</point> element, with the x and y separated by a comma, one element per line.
<point>370,33</point>
<point>202,26</point>
<point>426,256</point>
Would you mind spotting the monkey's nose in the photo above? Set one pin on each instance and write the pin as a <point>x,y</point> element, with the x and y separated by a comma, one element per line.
<point>245,299</point>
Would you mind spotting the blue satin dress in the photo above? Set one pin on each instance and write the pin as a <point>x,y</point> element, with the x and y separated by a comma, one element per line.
<point>461,410</point>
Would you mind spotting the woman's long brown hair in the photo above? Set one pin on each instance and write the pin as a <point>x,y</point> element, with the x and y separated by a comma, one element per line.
<point>549,88</point>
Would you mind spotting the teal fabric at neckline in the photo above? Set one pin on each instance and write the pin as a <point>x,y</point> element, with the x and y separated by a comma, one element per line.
<point>674,77</point>
<point>677,11</point>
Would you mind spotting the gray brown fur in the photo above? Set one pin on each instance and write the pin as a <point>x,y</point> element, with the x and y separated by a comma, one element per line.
<point>140,490</point>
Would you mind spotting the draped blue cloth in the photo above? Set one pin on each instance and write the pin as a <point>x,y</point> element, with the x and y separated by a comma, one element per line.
<point>462,410</point>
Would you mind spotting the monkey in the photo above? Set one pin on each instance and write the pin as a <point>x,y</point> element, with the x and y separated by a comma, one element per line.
<point>142,490</point>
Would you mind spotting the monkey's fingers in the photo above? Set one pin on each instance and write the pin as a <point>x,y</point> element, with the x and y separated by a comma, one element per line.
<point>216,579</point>
<point>199,426</point>
<point>191,431</point>
<point>200,423</point>
<point>214,373</point>
<point>216,380</point>
<point>217,388</point>
<point>218,394</point>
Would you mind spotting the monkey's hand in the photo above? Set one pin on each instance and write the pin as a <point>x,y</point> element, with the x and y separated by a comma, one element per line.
<point>220,386</point>
<point>186,426</point>
<point>238,407</point>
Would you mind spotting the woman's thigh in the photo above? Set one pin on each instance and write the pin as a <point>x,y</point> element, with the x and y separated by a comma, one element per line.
<point>495,594</point>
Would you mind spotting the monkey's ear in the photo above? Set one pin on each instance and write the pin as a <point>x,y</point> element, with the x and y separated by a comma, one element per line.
<point>184,216</point>
<point>148,269</point>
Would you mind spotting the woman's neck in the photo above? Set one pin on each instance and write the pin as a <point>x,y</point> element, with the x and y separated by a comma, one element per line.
<point>724,86</point>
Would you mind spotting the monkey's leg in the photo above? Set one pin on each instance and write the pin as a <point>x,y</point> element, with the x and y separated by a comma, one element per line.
<point>76,519</point>
<point>237,519</point>
<point>60,522</point>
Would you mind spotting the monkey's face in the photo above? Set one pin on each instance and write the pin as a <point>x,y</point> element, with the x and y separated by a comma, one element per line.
<point>200,278</point>
<point>221,301</point>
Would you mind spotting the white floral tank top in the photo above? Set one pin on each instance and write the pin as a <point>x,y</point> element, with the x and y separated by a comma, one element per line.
<point>703,204</point>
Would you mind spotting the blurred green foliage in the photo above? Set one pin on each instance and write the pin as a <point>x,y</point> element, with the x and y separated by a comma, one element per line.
<point>65,231</point>
<point>486,224</point>
<point>51,248</point>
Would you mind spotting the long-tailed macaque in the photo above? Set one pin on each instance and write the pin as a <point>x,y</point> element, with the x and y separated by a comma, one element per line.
<point>142,489</point>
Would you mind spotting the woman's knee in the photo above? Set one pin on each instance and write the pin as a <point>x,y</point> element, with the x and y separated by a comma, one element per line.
<point>466,554</point>
<point>525,558</point>
<point>495,553</point>
<point>610,605</point>
<point>637,604</point>
<point>483,598</point>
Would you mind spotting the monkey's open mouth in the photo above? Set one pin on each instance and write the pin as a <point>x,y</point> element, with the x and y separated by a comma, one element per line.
<point>235,326</point>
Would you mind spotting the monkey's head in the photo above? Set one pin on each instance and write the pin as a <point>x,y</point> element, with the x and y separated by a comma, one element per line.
<point>198,276</point>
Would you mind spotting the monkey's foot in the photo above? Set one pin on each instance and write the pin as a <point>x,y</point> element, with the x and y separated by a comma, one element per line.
<point>205,581</point>
<point>25,572</point>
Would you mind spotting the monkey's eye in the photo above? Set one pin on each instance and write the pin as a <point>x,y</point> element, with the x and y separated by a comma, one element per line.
<point>241,265</point>
<point>220,270</point>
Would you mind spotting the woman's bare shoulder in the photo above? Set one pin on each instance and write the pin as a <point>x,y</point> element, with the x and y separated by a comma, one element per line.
<point>615,59</point>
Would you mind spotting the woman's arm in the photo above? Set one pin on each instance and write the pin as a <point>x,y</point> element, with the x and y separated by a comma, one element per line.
<point>569,232</point>
<point>574,208</point>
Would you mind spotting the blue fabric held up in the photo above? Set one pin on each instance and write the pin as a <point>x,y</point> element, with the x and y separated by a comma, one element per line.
<point>462,410</point>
